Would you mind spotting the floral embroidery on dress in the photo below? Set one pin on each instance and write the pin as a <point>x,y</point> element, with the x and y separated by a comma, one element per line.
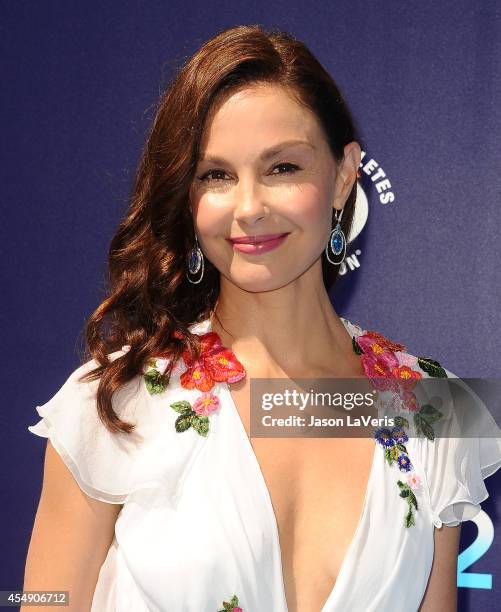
<point>231,606</point>
<point>382,366</point>
<point>216,364</point>
<point>195,416</point>
<point>399,375</point>
<point>395,451</point>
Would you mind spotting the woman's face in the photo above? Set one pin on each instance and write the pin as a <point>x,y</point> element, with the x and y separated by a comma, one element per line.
<point>265,168</point>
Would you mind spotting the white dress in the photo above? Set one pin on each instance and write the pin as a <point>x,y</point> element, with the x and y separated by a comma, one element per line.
<point>197,525</point>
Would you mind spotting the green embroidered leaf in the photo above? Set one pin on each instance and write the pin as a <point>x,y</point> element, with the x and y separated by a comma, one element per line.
<point>154,381</point>
<point>423,427</point>
<point>183,422</point>
<point>430,413</point>
<point>431,367</point>
<point>234,601</point>
<point>182,406</point>
<point>423,419</point>
<point>407,493</point>
<point>356,346</point>
<point>389,456</point>
<point>401,422</point>
<point>417,423</point>
<point>427,430</point>
<point>401,447</point>
<point>409,518</point>
<point>412,499</point>
<point>201,424</point>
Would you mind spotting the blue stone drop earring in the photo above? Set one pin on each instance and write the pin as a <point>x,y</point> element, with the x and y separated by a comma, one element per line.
<point>337,242</point>
<point>195,261</point>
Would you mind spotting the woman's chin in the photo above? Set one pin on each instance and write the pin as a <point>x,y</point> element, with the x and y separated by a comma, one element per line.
<point>259,279</point>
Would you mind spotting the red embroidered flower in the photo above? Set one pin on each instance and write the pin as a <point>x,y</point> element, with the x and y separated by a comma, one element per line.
<point>389,344</point>
<point>406,376</point>
<point>381,364</point>
<point>216,364</point>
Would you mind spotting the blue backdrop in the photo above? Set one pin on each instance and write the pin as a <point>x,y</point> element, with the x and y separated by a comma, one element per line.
<point>80,81</point>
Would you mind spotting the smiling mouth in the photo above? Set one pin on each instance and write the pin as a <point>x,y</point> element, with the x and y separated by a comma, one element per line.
<point>256,239</point>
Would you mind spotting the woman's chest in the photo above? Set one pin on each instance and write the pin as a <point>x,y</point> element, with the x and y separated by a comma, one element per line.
<point>317,488</point>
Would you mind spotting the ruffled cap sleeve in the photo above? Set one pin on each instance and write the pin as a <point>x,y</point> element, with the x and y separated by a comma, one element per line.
<point>147,465</point>
<point>456,463</point>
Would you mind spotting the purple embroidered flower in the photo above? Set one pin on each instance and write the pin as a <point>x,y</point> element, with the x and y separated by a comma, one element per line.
<point>384,437</point>
<point>399,435</point>
<point>404,463</point>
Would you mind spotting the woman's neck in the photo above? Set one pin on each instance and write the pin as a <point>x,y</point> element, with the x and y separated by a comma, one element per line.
<point>276,338</point>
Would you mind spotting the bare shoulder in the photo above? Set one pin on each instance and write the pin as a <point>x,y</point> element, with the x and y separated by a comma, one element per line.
<point>441,591</point>
<point>71,535</point>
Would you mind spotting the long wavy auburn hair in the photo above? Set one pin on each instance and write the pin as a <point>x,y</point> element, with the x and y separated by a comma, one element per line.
<point>149,303</point>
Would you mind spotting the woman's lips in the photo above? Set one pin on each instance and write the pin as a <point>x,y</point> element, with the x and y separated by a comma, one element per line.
<point>257,244</point>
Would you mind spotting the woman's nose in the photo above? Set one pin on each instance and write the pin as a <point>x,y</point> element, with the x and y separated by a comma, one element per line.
<point>249,203</point>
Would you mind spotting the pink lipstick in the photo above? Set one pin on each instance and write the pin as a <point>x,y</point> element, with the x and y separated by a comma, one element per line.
<point>257,244</point>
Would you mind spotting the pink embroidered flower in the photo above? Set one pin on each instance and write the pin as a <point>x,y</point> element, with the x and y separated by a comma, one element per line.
<point>379,370</point>
<point>413,480</point>
<point>408,360</point>
<point>409,401</point>
<point>216,364</point>
<point>206,404</point>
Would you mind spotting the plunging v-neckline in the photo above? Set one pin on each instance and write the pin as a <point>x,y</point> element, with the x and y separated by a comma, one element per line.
<point>271,512</point>
<point>269,504</point>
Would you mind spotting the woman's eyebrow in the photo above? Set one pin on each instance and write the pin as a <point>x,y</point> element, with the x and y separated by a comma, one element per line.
<point>266,154</point>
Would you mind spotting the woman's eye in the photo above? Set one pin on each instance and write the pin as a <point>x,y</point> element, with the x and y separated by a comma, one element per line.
<point>292,168</point>
<point>205,177</point>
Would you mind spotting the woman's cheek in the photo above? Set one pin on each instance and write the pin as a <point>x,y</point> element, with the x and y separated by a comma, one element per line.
<point>309,211</point>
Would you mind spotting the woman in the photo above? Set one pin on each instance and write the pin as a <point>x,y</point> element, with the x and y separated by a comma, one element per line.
<point>154,498</point>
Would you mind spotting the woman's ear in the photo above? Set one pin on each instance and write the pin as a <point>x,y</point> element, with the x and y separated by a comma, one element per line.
<point>347,173</point>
